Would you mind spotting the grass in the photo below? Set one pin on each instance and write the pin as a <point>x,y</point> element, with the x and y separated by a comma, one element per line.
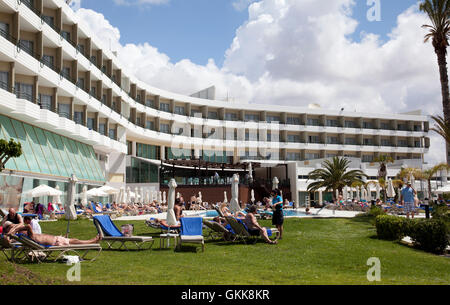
<point>313,251</point>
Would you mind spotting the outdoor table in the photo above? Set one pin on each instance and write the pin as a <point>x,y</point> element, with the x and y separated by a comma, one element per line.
<point>165,237</point>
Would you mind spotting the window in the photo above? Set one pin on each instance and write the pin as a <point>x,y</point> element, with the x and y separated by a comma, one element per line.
<point>417,144</point>
<point>90,123</point>
<point>385,126</point>
<point>314,139</point>
<point>350,141</point>
<point>403,143</point>
<point>269,137</point>
<point>272,118</point>
<point>138,121</point>
<point>65,72</point>
<point>80,83</point>
<point>350,124</point>
<point>49,20</point>
<point>180,110</point>
<point>64,110</point>
<point>332,140</point>
<point>65,35</point>
<point>313,122</point>
<point>385,142</point>
<point>367,158</point>
<point>78,117</point>
<point>4,29</point>
<point>293,138</point>
<point>417,127</point>
<point>331,155</point>
<point>48,61</point>
<point>368,125</point>
<point>212,115</point>
<point>94,91</point>
<point>196,113</point>
<point>80,48</point>
<point>45,101</point>
<point>312,156</point>
<point>27,46</point>
<point>293,156</point>
<point>293,121</point>
<point>94,60</point>
<point>230,116</point>
<point>4,80</point>
<point>332,123</point>
<point>150,125</point>
<point>368,142</point>
<point>251,118</point>
<point>164,128</point>
<point>104,99</point>
<point>403,127</point>
<point>102,128</point>
<point>24,91</point>
<point>149,103</point>
<point>164,107</point>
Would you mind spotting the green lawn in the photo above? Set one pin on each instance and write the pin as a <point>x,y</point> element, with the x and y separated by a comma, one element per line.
<point>313,251</point>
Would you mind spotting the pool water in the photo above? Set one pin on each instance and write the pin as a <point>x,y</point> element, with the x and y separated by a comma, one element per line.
<point>287,213</point>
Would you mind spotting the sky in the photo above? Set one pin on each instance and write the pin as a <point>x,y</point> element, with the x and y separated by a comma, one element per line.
<point>363,55</point>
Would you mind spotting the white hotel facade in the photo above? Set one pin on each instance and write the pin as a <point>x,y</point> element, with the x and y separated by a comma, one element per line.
<point>77,111</point>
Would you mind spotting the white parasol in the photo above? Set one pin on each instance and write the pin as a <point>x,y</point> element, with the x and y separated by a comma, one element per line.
<point>171,218</point>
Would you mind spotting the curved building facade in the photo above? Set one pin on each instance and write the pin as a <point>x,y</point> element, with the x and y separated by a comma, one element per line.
<point>78,111</point>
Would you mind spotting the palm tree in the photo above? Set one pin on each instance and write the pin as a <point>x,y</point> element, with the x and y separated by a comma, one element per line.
<point>442,128</point>
<point>382,161</point>
<point>438,11</point>
<point>428,175</point>
<point>334,175</point>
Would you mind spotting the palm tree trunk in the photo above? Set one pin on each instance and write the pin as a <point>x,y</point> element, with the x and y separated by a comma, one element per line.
<point>429,190</point>
<point>442,62</point>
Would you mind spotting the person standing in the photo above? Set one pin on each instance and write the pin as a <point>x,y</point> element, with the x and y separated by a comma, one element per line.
<point>408,200</point>
<point>277,207</point>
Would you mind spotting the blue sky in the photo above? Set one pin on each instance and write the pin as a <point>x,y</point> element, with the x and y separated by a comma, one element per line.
<point>203,29</point>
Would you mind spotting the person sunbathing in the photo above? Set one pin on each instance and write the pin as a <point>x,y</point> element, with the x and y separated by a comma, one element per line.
<point>47,239</point>
<point>253,226</point>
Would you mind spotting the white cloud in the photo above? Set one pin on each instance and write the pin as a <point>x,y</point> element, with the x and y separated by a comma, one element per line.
<point>140,2</point>
<point>297,52</point>
<point>241,5</point>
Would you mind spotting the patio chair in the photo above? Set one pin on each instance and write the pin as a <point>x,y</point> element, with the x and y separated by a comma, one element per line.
<point>191,231</point>
<point>111,234</point>
<point>26,250</point>
<point>216,230</point>
<point>242,232</point>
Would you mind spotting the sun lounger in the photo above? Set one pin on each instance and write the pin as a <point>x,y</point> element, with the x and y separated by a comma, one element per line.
<point>191,231</point>
<point>242,232</point>
<point>25,250</point>
<point>164,229</point>
<point>216,230</point>
<point>111,234</point>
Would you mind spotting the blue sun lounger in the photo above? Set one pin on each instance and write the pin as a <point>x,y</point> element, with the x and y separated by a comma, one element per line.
<point>191,231</point>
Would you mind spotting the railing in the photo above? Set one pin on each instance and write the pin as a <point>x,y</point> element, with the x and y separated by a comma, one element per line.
<point>64,114</point>
<point>8,37</point>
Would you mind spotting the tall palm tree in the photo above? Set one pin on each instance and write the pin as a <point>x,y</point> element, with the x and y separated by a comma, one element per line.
<point>382,161</point>
<point>334,175</point>
<point>439,11</point>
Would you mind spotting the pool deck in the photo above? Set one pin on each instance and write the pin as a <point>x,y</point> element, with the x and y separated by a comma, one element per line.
<point>315,213</point>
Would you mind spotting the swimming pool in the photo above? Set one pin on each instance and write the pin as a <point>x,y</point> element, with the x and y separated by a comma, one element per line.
<point>286,213</point>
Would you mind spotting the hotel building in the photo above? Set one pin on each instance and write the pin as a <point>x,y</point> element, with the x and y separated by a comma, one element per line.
<point>77,111</point>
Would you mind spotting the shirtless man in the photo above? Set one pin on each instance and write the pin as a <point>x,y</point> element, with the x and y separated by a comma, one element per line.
<point>254,227</point>
<point>46,239</point>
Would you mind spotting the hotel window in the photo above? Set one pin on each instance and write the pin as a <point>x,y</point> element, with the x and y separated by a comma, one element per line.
<point>332,123</point>
<point>368,142</point>
<point>4,80</point>
<point>138,98</point>
<point>48,61</point>
<point>417,144</point>
<point>112,134</point>
<point>102,128</point>
<point>93,91</point>
<point>113,105</point>
<point>27,46</point>
<point>312,156</point>
<point>367,125</point>
<point>4,29</point>
<point>313,122</point>
<point>94,60</point>
<point>385,126</point>
<point>164,107</point>
<point>230,116</point>
<point>385,142</point>
<point>65,35</point>
<point>64,110</point>
<point>196,113</point>
<point>80,83</point>
<point>292,156</point>
<point>314,139</point>
<point>350,124</point>
<point>65,72</point>
<point>269,137</point>
<point>417,128</point>
<point>403,127</point>
<point>293,121</point>
<point>272,118</point>
<point>49,20</point>
<point>367,158</point>
<point>149,103</point>
<point>332,140</point>
<point>212,115</point>
<point>138,121</point>
<point>180,110</point>
<point>251,118</point>
<point>331,155</point>
<point>350,141</point>
<point>80,48</point>
<point>402,143</point>
<point>45,101</point>
<point>90,123</point>
<point>150,125</point>
<point>104,99</point>
<point>164,128</point>
<point>78,117</point>
<point>24,91</point>
<point>293,138</point>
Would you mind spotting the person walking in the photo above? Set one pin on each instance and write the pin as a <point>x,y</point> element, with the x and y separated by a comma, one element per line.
<point>408,195</point>
<point>277,207</point>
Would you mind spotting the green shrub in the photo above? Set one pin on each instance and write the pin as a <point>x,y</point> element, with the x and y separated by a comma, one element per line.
<point>391,227</point>
<point>430,235</point>
<point>375,211</point>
